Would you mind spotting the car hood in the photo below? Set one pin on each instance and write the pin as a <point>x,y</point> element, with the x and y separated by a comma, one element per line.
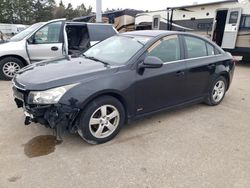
<point>61,71</point>
<point>9,47</point>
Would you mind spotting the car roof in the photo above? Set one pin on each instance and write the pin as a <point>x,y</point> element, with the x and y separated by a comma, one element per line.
<point>86,23</point>
<point>151,33</point>
<point>162,33</point>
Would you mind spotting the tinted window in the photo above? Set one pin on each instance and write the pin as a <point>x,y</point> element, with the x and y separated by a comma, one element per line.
<point>100,32</point>
<point>210,49</point>
<point>233,17</point>
<point>48,34</point>
<point>167,49</point>
<point>247,21</point>
<point>156,23</point>
<point>195,47</point>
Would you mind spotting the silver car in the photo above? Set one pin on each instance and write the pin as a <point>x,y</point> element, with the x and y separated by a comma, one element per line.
<point>52,39</point>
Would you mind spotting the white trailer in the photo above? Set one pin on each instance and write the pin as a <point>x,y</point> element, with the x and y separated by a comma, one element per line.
<point>226,22</point>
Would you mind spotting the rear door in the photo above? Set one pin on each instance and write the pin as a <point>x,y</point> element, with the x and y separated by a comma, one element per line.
<point>231,28</point>
<point>46,43</point>
<point>201,59</point>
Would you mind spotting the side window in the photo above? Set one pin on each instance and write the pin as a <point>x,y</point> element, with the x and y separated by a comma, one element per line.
<point>167,49</point>
<point>233,17</point>
<point>100,32</point>
<point>210,49</point>
<point>247,22</point>
<point>195,47</point>
<point>156,22</point>
<point>48,34</point>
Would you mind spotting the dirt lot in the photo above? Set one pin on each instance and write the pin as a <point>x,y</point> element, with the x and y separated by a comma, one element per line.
<point>198,146</point>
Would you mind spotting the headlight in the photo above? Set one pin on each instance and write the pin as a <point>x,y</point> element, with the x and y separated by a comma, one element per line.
<point>51,96</point>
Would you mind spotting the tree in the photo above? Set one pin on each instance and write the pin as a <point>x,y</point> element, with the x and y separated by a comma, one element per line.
<point>49,10</point>
<point>69,12</point>
<point>2,11</point>
<point>60,11</point>
<point>44,10</point>
<point>9,10</point>
<point>111,10</point>
<point>32,11</point>
<point>38,10</point>
<point>24,11</point>
<point>82,10</point>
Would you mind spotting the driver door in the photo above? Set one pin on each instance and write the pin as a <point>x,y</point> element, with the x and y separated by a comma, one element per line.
<point>46,43</point>
<point>162,87</point>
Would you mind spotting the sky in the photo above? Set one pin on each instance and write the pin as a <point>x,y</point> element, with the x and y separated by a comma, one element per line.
<point>135,4</point>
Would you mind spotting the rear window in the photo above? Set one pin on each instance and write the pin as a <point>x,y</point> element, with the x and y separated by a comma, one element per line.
<point>100,32</point>
<point>195,47</point>
<point>199,48</point>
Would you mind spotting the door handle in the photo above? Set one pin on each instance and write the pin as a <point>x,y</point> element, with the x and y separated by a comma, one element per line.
<point>211,66</point>
<point>180,73</point>
<point>54,48</point>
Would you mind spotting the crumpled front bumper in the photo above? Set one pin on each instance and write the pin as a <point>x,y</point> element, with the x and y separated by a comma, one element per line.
<point>57,116</point>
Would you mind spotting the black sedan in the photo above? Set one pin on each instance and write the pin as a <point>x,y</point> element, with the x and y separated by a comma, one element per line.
<point>125,77</point>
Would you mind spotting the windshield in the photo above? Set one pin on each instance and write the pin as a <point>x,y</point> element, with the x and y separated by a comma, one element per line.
<point>117,49</point>
<point>26,32</point>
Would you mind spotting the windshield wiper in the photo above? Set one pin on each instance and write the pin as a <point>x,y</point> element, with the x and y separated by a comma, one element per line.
<point>96,59</point>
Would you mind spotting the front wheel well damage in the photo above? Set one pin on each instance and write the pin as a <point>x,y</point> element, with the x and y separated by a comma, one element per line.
<point>112,94</point>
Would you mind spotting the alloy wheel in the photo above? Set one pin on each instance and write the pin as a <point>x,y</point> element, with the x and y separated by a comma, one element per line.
<point>218,91</point>
<point>104,121</point>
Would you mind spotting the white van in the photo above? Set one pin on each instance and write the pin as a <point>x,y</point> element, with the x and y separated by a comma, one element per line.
<point>42,41</point>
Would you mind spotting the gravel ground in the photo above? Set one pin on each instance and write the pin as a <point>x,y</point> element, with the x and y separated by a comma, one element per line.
<point>197,146</point>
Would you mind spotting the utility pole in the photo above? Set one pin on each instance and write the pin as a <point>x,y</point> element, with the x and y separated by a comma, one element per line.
<point>98,11</point>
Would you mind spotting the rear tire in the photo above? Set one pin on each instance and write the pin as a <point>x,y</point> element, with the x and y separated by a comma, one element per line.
<point>217,91</point>
<point>9,67</point>
<point>102,120</point>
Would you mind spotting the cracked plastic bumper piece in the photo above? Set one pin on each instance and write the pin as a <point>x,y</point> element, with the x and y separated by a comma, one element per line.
<point>58,117</point>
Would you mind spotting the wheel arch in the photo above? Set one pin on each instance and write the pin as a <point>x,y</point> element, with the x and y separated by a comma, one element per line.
<point>25,63</point>
<point>227,77</point>
<point>112,93</point>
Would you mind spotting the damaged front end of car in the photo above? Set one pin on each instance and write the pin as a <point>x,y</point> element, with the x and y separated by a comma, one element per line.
<point>40,107</point>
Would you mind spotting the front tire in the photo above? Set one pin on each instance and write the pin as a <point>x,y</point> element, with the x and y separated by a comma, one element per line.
<point>217,91</point>
<point>102,120</point>
<point>9,67</point>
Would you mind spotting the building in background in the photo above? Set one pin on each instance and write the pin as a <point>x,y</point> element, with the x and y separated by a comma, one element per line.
<point>122,20</point>
<point>225,22</point>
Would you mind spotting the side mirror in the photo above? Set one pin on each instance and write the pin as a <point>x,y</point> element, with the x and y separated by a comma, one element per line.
<point>151,62</point>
